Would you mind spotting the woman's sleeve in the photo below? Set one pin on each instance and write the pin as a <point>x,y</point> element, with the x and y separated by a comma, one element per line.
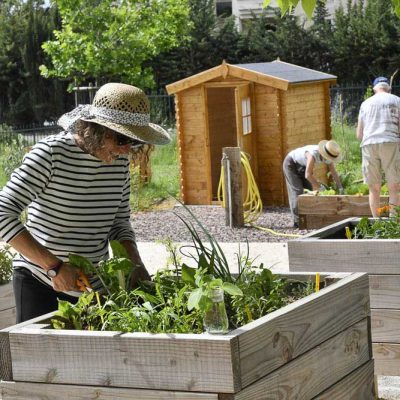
<point>25,184</point>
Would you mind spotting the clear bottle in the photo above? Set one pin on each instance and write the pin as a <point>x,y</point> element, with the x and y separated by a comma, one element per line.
<point>215,318</point>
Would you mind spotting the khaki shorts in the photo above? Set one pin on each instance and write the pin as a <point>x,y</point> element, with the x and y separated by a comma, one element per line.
<point>378,157</point>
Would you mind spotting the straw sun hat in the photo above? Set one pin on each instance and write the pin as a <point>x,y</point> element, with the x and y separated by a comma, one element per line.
<point>330,150</point>
<point>124,109</point>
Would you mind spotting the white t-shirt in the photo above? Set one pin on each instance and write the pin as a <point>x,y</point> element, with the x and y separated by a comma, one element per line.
<point>379,116</point>
<point>299,155</point>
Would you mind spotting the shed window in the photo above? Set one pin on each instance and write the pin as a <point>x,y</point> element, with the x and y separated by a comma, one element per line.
<point>246,115</point>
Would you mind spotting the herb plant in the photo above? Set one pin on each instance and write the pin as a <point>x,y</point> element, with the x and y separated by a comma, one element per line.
<point>380,228</point>
<point>178,297</point>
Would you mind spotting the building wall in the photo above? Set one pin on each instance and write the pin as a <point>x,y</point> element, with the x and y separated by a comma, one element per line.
<point>191,129</point>
<point>307,118</point>
<point>244,9</point>
<point>269,144</point>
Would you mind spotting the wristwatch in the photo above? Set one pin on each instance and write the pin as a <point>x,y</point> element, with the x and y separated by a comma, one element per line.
<point>52,272</point>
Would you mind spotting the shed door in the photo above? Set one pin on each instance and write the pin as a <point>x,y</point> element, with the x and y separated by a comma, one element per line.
<point>245,122</point>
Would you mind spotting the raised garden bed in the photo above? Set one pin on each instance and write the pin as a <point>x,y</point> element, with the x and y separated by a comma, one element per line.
<point>315,348</point>
<point>318,211</point>
<point>328,250</point>
<point>7,305</point>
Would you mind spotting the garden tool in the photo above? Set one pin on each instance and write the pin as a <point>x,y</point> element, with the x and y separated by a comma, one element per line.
<point>83,283</point>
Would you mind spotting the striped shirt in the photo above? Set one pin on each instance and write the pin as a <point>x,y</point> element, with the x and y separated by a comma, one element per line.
<point>75,203</point>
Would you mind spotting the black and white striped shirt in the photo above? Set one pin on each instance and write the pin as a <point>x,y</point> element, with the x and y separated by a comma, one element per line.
<point>76,203</point>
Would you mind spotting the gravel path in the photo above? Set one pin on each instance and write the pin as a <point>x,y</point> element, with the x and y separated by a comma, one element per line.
<point>165,224</point>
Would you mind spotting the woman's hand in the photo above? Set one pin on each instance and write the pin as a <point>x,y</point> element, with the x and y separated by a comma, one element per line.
<point>139,273</point>
<point>66,279</point>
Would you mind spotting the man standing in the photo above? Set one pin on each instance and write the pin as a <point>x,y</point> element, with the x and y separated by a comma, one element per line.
<point>378,131</point>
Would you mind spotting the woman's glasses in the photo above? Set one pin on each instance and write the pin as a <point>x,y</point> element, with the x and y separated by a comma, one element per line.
<point>123,140</point>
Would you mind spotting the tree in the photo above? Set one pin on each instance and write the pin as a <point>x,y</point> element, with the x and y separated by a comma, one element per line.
<point>365,41</point>
<point>310,5</point>
<point>25,96</point>
<point>113,38</point>
<point>210,40</point>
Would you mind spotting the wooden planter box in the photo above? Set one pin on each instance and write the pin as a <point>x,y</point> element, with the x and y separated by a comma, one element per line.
<point>316,348</point>
<point>7,305</point>
<point>327,250</point>
<point>318,211</point>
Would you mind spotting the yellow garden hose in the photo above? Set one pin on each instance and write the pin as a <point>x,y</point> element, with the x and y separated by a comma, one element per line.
<point>252,206</point>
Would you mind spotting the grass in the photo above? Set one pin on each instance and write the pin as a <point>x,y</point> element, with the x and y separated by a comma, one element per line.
<point>164,180</point>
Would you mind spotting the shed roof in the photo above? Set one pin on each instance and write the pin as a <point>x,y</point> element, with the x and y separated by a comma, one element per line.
<point>277,74</point>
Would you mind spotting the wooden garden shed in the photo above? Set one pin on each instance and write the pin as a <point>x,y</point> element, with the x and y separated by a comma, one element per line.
<point>267,109</point>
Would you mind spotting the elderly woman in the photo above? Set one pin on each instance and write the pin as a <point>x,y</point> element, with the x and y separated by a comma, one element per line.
<point>76,187</point>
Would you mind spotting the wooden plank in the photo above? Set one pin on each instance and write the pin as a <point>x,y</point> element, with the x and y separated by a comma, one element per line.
<point>257,77</point>
<point>313,253</point>
<point>317,221</point>
<point>276,339</point>
<point>7,296</point>
<point>358,385</point>
<point>194,80</point>
<point>195,363</point>
<point>344,205</point>
<point>384,291</point>
<point>387,358</point>
<point>385,326</point>
<point>5,350</point>
<point>308,375</point>
<point>43,391</point>
<point>7,317</point>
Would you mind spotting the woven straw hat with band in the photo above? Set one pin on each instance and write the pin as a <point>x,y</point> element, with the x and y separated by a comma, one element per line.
<point>330,150</point>
<point>124,109</point>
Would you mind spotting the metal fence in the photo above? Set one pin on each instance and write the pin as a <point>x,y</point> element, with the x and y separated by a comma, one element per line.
<point>345,104</point>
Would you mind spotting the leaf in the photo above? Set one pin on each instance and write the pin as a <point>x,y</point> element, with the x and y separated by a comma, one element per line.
<point>188,274</point>
<point>232,289</point>
<point>308,7</point>
<point>82,263</point>
<point>194,299</point>
<point>118,249</point>
<point>266,3</point>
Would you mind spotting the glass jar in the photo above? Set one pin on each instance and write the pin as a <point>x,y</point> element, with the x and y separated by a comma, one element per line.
<point>215,318</point>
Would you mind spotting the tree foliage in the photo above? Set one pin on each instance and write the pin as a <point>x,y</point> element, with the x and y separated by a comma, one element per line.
<point>25,96</point>
<point>113,38</point>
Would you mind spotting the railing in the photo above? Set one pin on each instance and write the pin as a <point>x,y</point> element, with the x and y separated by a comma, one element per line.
<point>345,105</point>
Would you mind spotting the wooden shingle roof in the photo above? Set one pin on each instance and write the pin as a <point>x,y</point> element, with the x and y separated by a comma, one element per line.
<point>276,74</point>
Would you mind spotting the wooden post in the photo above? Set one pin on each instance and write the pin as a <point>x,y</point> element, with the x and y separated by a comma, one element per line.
<point>233,187</point>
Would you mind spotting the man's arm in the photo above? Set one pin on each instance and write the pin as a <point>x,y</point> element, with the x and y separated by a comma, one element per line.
<point>360,130</point>
<point>310,171</point>
<point>336,177</point>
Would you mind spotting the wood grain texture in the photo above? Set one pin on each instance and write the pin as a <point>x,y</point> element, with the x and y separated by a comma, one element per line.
<point>308,375</point>
<point>385,326</point>
<point>387,358</point>
<point>358,385</point>
<point>163,362</point>
<point>278,338</point>
<point>384,291</point>
<point>43,391</point>
<point>319,211</point>
<point>380,256</point>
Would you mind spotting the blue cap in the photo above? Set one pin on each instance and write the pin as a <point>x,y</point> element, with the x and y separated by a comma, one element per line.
<point>381,79</point>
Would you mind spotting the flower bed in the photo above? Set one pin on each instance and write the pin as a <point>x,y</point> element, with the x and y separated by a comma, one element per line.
<point>318,211</point>
<point>285,354</point>
<point>328,250</point>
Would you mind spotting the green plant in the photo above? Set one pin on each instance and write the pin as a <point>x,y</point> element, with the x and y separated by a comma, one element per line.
<point>177,298</point>
<point>164,181</point>
<point>380,228</point>
<point>114,273</point>
<point>6,258</point>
